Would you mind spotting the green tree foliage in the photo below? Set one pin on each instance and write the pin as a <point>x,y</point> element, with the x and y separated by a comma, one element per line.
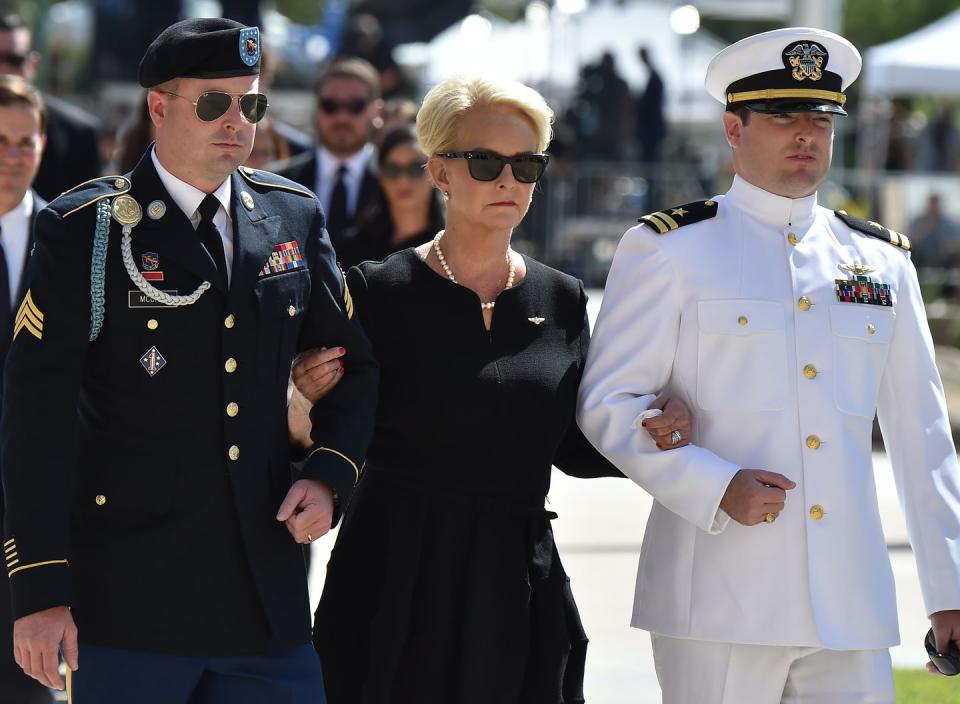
<point>302,11</point>
<point>870,22</point>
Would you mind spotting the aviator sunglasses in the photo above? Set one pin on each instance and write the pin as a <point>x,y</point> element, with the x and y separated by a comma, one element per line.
<point>486,166</point>
<point>332,107</point>
<point>11,59</point>
<point>392,172</point>
<point>214,104</point>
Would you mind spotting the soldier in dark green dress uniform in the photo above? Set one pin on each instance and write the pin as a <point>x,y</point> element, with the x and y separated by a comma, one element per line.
<point>150,512</point>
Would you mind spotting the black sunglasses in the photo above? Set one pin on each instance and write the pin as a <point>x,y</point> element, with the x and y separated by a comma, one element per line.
<point>486,166</point>
<point>332,107</point>
<point>214,104</point>
<point>11,59</point>
<point>947,663</point>
<point>392,172</point>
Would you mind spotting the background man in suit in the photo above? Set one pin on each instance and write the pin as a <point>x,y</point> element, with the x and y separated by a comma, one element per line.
<point>158,539</point>
<point>349,110</point>
<point>764,575</point>
<point>72,154</point>
<point>22,123</point>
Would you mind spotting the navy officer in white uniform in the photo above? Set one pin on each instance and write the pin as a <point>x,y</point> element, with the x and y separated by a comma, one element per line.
<point>764,574</point>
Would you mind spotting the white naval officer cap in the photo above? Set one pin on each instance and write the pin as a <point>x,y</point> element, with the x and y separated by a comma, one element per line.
<point>795,69</point>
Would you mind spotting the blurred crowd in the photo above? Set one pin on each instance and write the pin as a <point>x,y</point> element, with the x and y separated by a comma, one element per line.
<point>357,152</point>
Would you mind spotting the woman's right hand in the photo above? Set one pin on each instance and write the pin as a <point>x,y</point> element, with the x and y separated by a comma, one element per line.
<point>317,371</point>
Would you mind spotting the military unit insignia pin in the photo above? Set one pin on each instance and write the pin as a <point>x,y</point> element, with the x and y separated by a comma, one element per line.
<point>536,320</point>
<point>156,210</point>
<point>152,361</point>
<point>860,288</point>
<point>247,200</point>
<point>150,265</point>
<point>284,257</point>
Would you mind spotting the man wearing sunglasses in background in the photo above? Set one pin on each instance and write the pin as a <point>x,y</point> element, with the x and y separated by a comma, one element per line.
<point>72,154</point>
<point>349,111</point>
<point>150,512</point>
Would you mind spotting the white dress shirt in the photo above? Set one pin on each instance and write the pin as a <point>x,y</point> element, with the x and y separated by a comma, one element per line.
<point>16,236</point>
<point>326,178</point>
<point>188,199</point>
<point>738,315</point>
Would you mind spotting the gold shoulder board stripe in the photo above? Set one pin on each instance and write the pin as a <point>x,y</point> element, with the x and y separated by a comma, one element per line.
<point>671,223</point>
<point>341,455</point>
<point>12,540</point>
<point>251,175</point>
<point>654,223</point>
<point>29,318</point>
<point>37,564</point>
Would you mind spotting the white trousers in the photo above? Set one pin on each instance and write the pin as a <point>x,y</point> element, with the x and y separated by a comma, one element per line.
<point>704,672</point>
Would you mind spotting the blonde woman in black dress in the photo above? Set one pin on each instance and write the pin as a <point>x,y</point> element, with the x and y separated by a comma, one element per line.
<point>445,584</point>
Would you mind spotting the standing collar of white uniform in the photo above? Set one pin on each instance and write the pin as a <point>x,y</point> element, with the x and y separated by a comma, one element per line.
<point>329,163</point>
<point>769,208</point>
<point>188,198</point>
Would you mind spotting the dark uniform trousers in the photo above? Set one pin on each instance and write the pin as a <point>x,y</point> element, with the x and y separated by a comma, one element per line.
<point>143,471</point>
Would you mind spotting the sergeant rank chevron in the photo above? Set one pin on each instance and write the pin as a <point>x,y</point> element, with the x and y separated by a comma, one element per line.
<point>28,318</point>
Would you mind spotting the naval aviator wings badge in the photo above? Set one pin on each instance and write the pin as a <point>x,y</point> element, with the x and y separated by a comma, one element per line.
<point>860,288</point>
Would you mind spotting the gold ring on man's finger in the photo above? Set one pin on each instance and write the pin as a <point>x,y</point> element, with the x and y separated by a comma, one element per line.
<point>770,517</point>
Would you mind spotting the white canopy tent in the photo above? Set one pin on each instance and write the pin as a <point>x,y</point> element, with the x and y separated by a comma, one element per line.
<point>925,62</point>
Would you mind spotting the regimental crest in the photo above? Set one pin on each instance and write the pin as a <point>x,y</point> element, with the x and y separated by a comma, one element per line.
<point>806,60</point>
<point>150,261</point>
<point>250,46</point>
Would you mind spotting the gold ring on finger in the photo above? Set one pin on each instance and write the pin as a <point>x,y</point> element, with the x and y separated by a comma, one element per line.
<point>770,517</point>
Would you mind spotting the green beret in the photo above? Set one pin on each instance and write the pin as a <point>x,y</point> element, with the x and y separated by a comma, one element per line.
<point>207,47</point>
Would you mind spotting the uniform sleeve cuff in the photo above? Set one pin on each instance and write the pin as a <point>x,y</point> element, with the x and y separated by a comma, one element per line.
<point>40,586</point>
<point>333,468</point>
<point>720,521</point>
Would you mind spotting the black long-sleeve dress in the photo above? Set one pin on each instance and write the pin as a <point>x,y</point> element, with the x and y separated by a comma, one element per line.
<point>445,584</point>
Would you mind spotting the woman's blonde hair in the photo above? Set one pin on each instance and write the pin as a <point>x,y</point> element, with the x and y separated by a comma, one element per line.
<point>445,105</point>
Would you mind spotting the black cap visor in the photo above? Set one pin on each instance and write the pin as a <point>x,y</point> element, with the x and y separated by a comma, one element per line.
<point>780,107</point>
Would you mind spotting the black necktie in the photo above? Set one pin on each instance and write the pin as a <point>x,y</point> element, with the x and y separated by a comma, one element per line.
<point>5,302</point>
<point>337,217</point>
<point>210,236</point>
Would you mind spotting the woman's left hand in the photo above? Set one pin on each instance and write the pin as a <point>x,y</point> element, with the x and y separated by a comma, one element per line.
<point>675,418</point>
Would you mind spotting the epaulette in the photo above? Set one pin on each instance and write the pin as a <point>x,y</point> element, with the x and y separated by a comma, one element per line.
<point>88,193</point>
<point>673,218</point>
<point>272,180</point>
<point>874,229</point>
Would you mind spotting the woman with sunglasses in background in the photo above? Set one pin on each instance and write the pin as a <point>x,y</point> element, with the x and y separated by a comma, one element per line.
<point>445,584</point>
<point>407,213</point>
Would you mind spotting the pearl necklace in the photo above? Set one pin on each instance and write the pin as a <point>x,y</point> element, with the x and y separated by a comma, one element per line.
<point>511,271</point>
